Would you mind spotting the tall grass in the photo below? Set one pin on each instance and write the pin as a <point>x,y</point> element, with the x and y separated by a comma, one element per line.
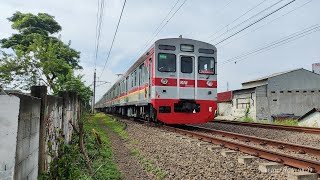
<point>287,122</point>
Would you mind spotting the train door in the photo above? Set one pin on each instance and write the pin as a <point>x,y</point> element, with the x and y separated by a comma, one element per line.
<point>186,77</point>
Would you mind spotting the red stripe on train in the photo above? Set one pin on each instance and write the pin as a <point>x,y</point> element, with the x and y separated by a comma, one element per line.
<point>183,83</point>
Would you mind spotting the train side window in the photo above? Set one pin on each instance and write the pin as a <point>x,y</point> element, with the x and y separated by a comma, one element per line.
<point>166,62</point>
<point>135,78</point>
<point>141,74</point>
<point>146,73</point>
<point>186,64</point>
<point>206,65</point>
<point>131,79</point>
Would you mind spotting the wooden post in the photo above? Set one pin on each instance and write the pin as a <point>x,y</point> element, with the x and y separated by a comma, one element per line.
<point>41,92</point>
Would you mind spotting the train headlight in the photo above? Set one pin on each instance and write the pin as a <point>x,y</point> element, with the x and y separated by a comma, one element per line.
<point>164,81</point>
<point>210,83</point>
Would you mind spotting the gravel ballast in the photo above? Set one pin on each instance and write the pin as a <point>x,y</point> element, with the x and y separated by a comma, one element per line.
<point>275,134</point>
<point>180,158</point>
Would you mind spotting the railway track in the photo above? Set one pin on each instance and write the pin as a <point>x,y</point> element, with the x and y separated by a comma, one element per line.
<point>291,160</point>
<point>271,126</point>
<point>284,158</point>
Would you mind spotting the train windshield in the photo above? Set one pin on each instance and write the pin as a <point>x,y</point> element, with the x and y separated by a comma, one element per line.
<point>186,64</point>
<point>206,65</point>
<point>167,62</point>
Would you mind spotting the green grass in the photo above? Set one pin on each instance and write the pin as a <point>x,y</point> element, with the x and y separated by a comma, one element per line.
<point>288,122</point>
<point>71,162</point>
<point>101,155</point>
<point>114,125</point>
<point>247,119</point>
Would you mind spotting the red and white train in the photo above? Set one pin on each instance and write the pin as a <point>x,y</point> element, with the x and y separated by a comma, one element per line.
<point>174,82</point>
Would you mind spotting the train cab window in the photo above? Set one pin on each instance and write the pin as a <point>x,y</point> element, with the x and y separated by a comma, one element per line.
<point>167,47</point>
<point>166,62</point>
<point>186,64</point>
<point>206,65</point>
<point>206,51</point>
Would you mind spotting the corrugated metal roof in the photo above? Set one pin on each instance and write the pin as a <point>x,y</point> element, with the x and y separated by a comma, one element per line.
<point>270,76</point>
<point>309,112</point>
<point>225,96</point>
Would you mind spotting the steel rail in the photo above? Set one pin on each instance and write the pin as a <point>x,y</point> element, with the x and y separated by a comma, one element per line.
<point>263,141</point>
<point>312,166</point>
<point>271,126</point>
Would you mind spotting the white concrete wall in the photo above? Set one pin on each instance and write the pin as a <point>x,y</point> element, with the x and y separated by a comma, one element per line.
<point>225,108</point>
<point>240,102</point>
<point>27,149</point>
<point>313,120</point>
<point>9,112</point>
<point>262,104</point>
<point>297,103</point>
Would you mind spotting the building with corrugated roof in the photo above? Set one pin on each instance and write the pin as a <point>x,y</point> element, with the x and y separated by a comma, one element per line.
<point>284,94</point>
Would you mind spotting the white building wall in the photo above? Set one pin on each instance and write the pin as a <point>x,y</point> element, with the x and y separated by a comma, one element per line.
<point>297,102</point>
<point>262,104</point>
<point>225,108</point>
<point>313,120</point>
<point>241,102</point>
<point>9,112</point>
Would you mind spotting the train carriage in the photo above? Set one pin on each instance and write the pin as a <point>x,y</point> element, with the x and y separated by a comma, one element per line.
<point>174,82</point>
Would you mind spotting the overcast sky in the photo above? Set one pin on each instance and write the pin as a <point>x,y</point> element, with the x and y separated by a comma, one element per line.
<point>197,19</point>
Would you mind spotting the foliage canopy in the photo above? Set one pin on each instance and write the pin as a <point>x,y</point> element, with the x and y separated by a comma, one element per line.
<point>38,57</point>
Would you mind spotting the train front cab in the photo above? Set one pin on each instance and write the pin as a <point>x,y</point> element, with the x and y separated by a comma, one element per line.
<point>184,81</point>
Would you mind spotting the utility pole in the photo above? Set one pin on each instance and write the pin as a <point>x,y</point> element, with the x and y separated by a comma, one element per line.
<point>94,91</point>
<point>227,86</point>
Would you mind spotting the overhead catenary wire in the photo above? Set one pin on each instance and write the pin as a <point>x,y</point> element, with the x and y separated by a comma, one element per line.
<point>274,44</point>
<point>99,22</point>
<point>156,30</point>
<point>114,37</point>
<point>293,39</point>
<point>246,20</point>
<point>217,13</point>
<point>235,20</point>
<point>248,26</point>
<point>163,25</point>
<point>304,4</point>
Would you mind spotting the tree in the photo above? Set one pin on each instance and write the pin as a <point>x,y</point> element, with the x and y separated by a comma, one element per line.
<point>75,84</point>
<point>38,56</point>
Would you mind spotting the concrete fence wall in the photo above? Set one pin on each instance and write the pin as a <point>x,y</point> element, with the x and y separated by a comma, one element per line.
<point>27,148</point>
<point>9,112</point>
<point>28,124</point>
